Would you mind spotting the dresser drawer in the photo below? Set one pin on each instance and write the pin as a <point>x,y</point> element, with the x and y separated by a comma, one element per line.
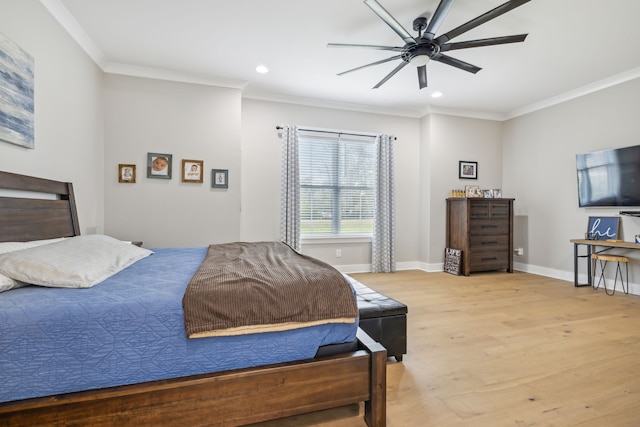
<point>490,209</point>
<point>500,210</point>
<point>489,227</point>
<point>484,243</point>
<point>485,261</point>
<point>479,210</point>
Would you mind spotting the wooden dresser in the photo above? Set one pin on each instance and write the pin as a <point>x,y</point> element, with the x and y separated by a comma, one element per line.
<point>483,230</point>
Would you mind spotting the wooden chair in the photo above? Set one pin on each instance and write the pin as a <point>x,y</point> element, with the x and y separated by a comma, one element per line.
<point>602,260</point>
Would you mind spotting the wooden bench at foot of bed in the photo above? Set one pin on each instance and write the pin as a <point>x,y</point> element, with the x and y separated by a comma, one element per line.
<point>232,398</point>
<point>383,319</point>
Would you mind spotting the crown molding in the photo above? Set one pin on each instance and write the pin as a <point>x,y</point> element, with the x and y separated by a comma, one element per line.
<point>75,30</point>
<point>321,103</point>
<point>171,75</point>
<point>576,93</point>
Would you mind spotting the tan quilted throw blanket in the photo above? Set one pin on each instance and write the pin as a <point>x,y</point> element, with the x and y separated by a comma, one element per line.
<point>243,288</point>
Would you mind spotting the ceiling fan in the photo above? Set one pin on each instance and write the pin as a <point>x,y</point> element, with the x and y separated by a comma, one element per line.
<point>426,46</point>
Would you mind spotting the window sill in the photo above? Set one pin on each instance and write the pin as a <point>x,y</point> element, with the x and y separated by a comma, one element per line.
<point>319,240</point>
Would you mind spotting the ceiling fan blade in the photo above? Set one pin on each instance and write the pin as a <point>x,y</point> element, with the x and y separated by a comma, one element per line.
<point>483,42</point>
<point>366,46</point>
<point>390,21</point>
<point>422,76</point>
<point>369,65</point>
<point>492,14</point>
<point>391,74</point>
<point>456,63</point>
<point>437,18</point>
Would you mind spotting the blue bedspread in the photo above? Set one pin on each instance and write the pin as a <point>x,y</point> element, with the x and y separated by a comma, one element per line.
<point>128,329</point>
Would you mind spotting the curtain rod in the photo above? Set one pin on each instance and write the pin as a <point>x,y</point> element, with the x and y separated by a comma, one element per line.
<point>328,131</point>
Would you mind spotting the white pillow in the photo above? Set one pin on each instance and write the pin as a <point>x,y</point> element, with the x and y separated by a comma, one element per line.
<point>7,283</point>
<point>16,246</point>
<point>76,262</point>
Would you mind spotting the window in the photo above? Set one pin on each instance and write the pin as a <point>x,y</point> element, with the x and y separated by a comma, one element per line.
<point>337,181</point>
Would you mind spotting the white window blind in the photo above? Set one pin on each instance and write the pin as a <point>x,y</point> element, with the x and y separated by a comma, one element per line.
<point>337,180</point>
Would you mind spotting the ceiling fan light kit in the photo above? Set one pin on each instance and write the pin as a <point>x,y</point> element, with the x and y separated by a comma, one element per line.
<point>419,60</point>
<point>419,50</point>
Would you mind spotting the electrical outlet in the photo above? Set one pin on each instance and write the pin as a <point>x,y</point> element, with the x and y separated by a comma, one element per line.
<point>338,253</point>
<point>520,251</point>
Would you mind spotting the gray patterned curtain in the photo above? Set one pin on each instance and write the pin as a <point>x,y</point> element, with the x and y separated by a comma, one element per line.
<point>289,190</point>
<point>383,246</point>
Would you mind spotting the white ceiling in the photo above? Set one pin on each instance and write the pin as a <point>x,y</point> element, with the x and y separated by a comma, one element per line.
<point>574,46</point>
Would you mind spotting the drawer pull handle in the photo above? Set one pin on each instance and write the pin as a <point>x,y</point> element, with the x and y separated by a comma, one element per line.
<point>490,259</point>
<point>489,226</point>
<point>490,243</point>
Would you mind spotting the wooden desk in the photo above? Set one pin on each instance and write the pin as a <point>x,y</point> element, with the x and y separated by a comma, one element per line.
<point>592,246</point>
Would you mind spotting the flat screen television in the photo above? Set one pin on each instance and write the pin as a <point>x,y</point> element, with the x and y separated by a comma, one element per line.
<point>609,177</point>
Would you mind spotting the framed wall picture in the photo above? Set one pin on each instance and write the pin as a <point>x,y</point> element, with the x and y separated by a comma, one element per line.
<point>220,178</point>
<point>192,170</point>
<point>603,228</point>
<point>127,173</point>
<point>16,94</point>
<point>467,170</point>
<point>159,165</point>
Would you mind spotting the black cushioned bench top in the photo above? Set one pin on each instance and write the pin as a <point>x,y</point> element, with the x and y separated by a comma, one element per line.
<point>374,304</point>
<point>383,318</point>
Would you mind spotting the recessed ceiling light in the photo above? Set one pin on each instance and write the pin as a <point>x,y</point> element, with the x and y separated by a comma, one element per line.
<point>436,94</point>
<point>262,69</point>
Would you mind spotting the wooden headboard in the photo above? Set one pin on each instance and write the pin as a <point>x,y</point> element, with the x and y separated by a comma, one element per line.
<point>23,218</point>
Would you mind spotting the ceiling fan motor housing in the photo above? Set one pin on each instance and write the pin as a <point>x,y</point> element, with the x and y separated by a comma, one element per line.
<point>423,47</point>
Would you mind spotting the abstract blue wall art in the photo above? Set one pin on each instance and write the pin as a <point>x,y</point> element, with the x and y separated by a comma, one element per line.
<point>16,94</point>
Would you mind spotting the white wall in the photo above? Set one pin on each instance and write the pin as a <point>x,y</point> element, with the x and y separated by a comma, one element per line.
<point>445,141</point>
<point>261,174</point>
<point>68,109</point>
<point>424,177</point>
<point>540,171</point>
<point>188,121</point>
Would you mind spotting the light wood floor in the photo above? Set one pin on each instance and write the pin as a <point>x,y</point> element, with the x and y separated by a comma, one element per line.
<point>500,349</point>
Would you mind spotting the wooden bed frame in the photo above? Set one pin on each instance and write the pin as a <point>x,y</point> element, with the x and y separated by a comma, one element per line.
<point>230,398</point>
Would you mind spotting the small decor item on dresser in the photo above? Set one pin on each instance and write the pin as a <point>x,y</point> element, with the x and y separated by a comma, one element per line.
<point>127,173</point>
<point>452,261</point>
<point>497,193</point>
<point>467,170</point>
<point>487,194</point>
<point>192,170</point>
<point>472,191</point>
